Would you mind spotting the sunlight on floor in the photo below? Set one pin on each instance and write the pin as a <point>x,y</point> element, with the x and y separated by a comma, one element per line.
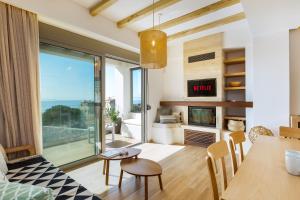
<point>92,178</point>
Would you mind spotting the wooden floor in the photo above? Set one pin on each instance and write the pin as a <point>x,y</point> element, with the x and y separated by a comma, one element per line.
<point>185,176</point>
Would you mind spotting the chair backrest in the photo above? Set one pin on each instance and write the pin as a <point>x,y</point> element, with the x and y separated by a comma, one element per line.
<point>215,152</point>
<point>236,138</point>
<point>289,132</point>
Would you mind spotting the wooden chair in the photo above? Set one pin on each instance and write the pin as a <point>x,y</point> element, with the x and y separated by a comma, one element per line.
<point>236,138</point>
<point>288,132</point>
<point>25,148</point>
<point>215,152</point>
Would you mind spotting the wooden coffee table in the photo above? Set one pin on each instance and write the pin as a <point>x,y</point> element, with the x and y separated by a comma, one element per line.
<point>141,167</point>
<point>132,152</point>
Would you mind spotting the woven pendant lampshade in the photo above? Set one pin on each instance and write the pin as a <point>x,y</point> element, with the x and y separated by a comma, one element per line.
<point>153,49</point>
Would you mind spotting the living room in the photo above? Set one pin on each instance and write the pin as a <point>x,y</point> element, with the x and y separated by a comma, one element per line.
<point>111,99</point>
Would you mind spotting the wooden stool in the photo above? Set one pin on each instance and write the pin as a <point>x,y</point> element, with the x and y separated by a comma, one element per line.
<point>141,167</point>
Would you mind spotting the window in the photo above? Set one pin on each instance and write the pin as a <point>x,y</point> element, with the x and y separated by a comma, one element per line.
<point>136,89</point>
<point>68,92</point>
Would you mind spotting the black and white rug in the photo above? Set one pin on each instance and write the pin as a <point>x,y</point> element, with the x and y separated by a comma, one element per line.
<point>38,171</point>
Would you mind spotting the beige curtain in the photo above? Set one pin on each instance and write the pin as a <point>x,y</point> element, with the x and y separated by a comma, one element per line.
<point>19,78</point>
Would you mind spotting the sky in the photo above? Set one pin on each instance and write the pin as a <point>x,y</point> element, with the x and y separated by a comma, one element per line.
<point>67,78</point>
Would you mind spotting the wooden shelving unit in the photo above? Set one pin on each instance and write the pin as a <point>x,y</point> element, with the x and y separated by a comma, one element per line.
<point>235,88</point>
<point>237,60</point>
<point>234,70</point>
<point>240,118</point>
<point>236,74</point>
<point>224,104</point>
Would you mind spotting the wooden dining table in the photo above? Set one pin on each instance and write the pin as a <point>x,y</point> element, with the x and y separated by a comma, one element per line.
<point>263,175</point>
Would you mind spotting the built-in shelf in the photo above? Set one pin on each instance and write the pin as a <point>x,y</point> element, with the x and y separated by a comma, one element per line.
<point>236,74</point>
<point>234,60</point>
<point>240,118</point>
<point>233,50</point>
<point>233,104</point>
<point>235,88</point>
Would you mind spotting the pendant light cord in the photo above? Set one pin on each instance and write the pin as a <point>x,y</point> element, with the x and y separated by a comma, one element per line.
<point>153,14</point>
<point>159,16</point>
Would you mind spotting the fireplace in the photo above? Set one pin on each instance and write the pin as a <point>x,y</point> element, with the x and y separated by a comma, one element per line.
<point>202,116</point>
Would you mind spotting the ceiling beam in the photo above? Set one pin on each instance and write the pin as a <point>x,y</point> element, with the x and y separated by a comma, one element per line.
<point>159,5</point>
<point>220,22</point>
<point>97,8</point>
<point>197,13</point>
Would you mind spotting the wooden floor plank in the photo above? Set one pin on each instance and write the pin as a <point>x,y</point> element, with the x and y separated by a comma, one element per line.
<point>185,176</point>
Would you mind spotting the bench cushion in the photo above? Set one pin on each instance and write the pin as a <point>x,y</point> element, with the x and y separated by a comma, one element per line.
<point>38,171</point>
<point>10,190</point>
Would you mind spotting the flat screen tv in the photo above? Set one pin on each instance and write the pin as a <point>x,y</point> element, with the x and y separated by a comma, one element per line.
<point>202,88</point>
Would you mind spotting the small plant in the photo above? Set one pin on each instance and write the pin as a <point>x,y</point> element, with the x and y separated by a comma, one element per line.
<point>113,114</point>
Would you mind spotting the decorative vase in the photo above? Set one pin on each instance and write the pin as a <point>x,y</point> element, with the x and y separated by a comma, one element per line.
<point>259,130</point>
<point>234,125</point>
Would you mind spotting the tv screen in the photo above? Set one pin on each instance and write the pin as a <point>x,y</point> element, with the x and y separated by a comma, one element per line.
<point>202,88</point>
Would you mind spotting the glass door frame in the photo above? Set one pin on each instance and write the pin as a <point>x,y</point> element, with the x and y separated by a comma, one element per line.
<point>144,100</point>
<point>98,61</point>
<point>100,58</point>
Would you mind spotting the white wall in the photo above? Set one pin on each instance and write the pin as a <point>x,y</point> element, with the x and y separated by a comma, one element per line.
<point>271,80</point>
<point>155,80</point>
<point>295,71</point>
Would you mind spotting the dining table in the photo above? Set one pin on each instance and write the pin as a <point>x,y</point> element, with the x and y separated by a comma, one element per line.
<point>263,174</point>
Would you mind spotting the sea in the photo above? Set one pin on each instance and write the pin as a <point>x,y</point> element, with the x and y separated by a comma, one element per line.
<point>46,104</point>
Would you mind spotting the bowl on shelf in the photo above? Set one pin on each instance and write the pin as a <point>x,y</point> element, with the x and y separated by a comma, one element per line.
<point>292,162</point>
<point>235,125</point>
<point>235,83</point>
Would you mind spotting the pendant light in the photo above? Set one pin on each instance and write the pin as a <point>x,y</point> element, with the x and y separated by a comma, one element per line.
<point>153,48</point>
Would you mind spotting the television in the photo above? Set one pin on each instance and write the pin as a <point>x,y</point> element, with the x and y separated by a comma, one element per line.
<point>202,88</point>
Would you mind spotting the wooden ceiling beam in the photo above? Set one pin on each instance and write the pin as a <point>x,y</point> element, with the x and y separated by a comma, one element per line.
<point>197,13</point>
<point>159,5</point>
<point>97,8</point>
<point>220,22</point>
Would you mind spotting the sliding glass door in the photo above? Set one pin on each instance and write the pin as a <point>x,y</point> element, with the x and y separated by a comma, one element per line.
<point>70,104</point>
<point>123,104</point>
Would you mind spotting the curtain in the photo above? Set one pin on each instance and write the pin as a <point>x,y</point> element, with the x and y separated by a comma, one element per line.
<point>19,78</point>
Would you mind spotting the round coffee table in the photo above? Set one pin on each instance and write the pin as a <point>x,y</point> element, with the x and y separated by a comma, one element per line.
<point>141,167</point>
<point>132,152</point>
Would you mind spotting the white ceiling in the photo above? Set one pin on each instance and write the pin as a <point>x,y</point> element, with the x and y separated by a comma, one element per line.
<point>124,8</point>
<point>268,16</point>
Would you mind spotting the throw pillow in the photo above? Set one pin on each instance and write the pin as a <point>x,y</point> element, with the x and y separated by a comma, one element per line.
<point>3,165</point>
<point>165,119</point>
<point>162,111</point>
<point>2,176</point>
<point>2,151</point>
<point>16,191</point>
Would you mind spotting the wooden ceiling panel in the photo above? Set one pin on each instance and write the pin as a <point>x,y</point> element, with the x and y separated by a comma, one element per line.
<point>197,13</point>
<point>159,5</point>
<point>220,22</point>
<point>96,9</point>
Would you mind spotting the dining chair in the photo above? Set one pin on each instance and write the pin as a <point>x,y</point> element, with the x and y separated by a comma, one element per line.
<point>288,132</point>
<point>217,151</point>
<point>236,138</point>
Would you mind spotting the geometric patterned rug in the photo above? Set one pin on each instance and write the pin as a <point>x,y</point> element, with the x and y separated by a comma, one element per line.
<point>38,171</point>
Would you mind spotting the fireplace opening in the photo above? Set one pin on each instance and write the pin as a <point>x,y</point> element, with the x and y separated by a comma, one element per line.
<point>202,116</point>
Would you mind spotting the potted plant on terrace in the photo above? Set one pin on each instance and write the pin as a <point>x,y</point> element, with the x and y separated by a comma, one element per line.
<point>113,114</point>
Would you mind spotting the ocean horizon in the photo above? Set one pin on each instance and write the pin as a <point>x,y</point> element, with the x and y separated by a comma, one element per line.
<point>47,104</point>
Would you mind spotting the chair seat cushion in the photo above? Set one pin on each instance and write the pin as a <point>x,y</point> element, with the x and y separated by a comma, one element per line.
<point>38,171</point>
<point>10,190</point>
